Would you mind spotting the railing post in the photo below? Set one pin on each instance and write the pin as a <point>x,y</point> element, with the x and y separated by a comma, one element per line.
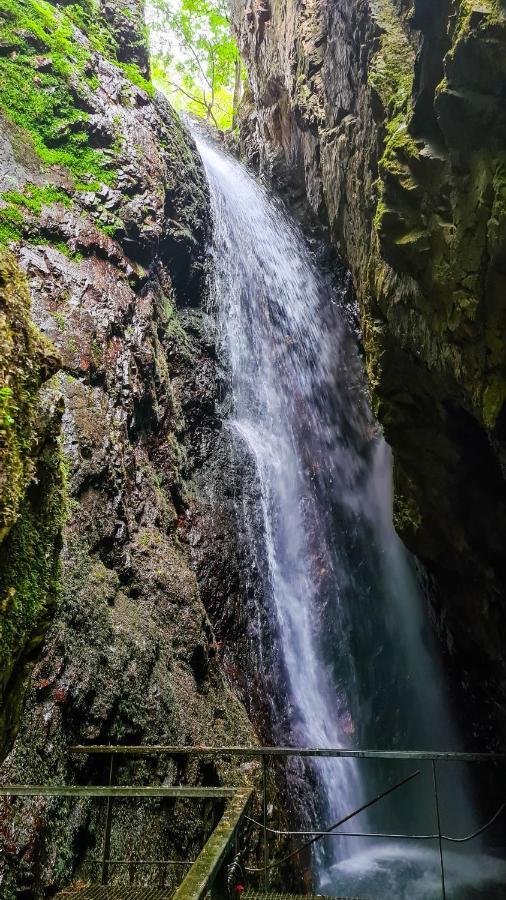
<point>108,823</point>
<point>436,800</point>
<point>265,879</point>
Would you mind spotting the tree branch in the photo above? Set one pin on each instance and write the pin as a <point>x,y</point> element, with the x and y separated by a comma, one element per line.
<point>177,87</point>
<point>212,76</point>
<point>197,60</point>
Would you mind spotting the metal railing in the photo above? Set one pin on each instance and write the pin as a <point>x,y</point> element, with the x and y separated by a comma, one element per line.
<point>204,869</point>
<point>208,868</point>
<point>435,758</point>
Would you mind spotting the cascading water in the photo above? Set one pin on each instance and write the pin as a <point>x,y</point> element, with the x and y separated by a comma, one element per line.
<point>339,631</point>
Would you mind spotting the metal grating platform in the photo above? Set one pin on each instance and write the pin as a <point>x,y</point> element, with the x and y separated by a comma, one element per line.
<point>260,895</point>
<point>113,892</point>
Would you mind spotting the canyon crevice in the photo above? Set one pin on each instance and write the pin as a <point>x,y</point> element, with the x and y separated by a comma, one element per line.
<point>132,607</point>
<point>385,118</point>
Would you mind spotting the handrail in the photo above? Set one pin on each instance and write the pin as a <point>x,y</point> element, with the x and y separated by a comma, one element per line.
<point>206,867</point>
<point>141,750</point>
<point>73,790</point>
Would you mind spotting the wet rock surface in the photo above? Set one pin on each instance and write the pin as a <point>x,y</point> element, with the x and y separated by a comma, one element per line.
<point>32,496</point>
<point>386,118</point>
<point>117,276</point>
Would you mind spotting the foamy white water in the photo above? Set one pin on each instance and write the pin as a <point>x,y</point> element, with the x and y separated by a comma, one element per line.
<point>340,636</point>
<point>400,872</point>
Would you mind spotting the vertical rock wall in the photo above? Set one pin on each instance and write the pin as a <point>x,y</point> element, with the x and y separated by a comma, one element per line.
<point>104,205</point>
<point>32,498</point>
<point>389,117</point>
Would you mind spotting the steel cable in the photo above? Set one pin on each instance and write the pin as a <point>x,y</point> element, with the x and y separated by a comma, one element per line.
<point>319,835</point>
<point>330,832</point>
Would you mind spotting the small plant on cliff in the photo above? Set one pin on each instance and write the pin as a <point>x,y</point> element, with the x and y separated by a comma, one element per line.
<point>195,59</point>
<point>6,407</point>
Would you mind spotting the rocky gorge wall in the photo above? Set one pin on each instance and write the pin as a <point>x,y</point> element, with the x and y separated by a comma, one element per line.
<point>32,495</point>
<point>106,417</point>
<point>387,119</point>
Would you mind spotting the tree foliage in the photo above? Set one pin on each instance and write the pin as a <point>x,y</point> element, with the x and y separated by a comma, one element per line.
<point>195,58</point>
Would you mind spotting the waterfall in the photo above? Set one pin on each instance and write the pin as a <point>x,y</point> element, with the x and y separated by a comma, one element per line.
<point>338,627</point>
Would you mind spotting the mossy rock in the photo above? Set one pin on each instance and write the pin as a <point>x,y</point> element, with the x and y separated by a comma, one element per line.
<point>27,360</point>
<point>32,492</point>
<point>48,82</point>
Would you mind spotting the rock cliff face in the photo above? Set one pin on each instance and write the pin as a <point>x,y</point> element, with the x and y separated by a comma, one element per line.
<point>32,501</point>
<point>388,116</point>
<point>104,208</point>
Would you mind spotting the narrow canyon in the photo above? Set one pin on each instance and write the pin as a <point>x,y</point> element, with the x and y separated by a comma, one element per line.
<point>253,440</point>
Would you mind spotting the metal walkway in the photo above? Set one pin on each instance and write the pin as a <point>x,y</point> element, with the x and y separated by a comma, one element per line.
<point>260,895</point>
<point>113,892</point>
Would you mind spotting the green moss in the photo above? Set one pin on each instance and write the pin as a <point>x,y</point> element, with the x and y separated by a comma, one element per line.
<point>96,353</point>
<point>173,328</point>
<point>6,408</point>
<point>109,230</point>
<point>26,360</point>
<point>134,74</point>
<point>72,345</point>
<point>43,74</point>
<point>35,197</point>
<point>63,248</point>
<point>30,579</point>
<point>86,16</point>
<point>38,96</point>
<point>13,228</point>
<point>494,398</point>
<point>11,224</point>
<point>391,69</point>
<point>60,320</point>
<point>492,9</point>
<point>149,537</point>
<point>398,141</point>
<point>32,489</point>
<point>391,76</point>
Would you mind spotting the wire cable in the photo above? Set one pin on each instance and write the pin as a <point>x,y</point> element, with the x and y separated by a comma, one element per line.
<point>318,836</point>
<point>330,832</point>
<point>469,837</point>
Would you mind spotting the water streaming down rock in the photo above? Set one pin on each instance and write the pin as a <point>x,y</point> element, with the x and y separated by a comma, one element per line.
<point>339,637</point>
